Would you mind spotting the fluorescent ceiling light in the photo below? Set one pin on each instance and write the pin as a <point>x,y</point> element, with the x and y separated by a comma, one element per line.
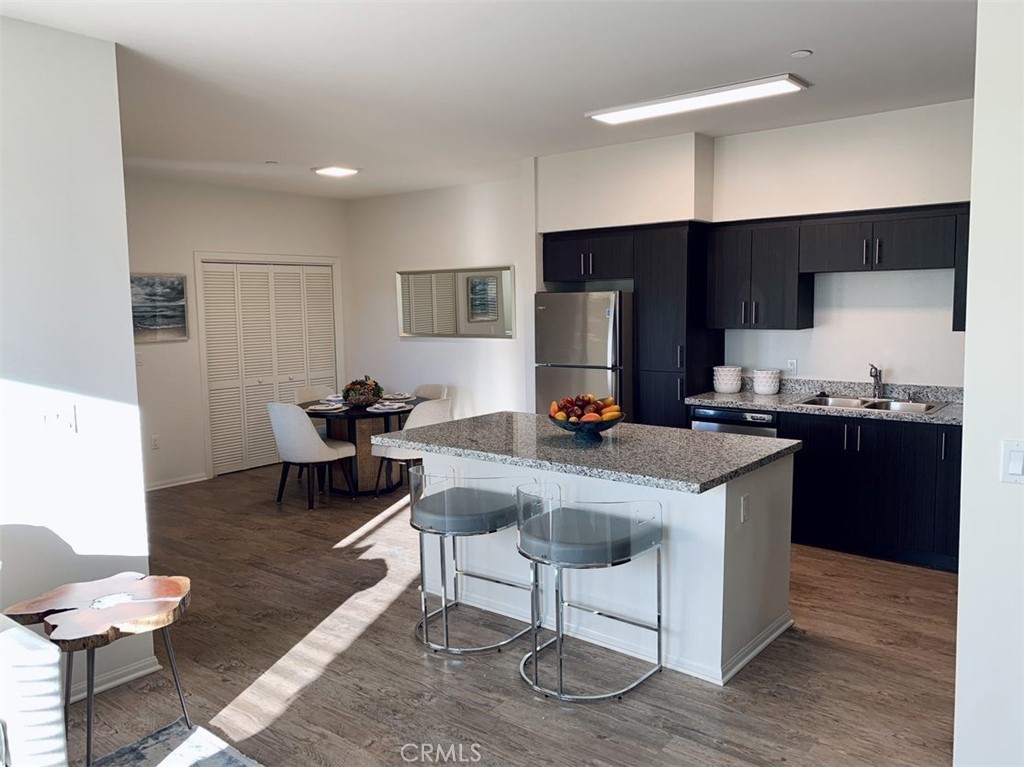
<point>335,171</point>
<point>711,97</point>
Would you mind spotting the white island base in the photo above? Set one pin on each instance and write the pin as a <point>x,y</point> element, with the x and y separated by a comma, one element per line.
<point>725,569</point>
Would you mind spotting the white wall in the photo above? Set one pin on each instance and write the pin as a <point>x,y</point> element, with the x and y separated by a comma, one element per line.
<point>990,621</point>
<point>72,498</point>
<point>468,226</point>
<point>635,183</point>
<point>167,222</point>
<point>904,157</point>
<point>899,321</point>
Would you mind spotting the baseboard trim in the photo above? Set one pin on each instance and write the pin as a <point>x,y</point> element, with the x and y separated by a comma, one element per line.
<point>177,481</point>
<point>111,679</point>
<point>751,649</point>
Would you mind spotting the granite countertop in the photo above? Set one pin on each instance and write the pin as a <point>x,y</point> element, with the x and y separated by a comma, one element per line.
<point>652,456</point>
<point>786,402</point>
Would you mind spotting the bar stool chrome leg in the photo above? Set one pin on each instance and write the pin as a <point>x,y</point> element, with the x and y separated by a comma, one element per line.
<point>558,641</point>
<point>422,630</point>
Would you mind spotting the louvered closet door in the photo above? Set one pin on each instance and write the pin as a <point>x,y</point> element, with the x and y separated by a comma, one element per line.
<point>223,367</point>
<point>289,331</point>
<point>269,330</point>
<point>318,289</point>
<point>258,374</point>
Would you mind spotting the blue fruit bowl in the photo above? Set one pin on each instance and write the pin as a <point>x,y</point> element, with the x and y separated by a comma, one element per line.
<point>588,432</point>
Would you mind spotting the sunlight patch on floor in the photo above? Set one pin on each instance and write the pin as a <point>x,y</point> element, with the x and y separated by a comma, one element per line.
<point>270,696</point>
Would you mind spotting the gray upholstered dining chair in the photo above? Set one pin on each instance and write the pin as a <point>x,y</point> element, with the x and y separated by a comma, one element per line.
<point>424,414</point>
<point>298,443</point>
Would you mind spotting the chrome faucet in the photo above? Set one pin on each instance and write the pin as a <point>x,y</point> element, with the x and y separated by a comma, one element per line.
<point>876,376</point>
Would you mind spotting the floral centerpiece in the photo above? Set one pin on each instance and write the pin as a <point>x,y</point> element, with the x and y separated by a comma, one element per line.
<point>362,391</point>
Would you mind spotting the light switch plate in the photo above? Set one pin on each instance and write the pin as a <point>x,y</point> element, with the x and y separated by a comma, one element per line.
<point>1012,464</point>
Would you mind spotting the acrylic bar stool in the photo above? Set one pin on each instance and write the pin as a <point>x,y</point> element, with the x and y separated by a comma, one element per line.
<point>450,508</point>
<point>577,536</point>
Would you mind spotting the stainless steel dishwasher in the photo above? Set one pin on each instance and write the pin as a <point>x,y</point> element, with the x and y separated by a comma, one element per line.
<point>756,423</point>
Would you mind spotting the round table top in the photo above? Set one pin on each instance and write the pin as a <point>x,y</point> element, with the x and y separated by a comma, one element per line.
<point>354,412</point>
<point>91,614</point>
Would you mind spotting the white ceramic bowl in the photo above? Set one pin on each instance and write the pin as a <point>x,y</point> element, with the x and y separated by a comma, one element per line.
<point>730,387</point>
<point>766,381</point>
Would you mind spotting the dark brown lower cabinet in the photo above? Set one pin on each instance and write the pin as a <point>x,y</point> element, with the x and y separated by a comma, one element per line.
<point>888,489</point>
<point>659,398</point>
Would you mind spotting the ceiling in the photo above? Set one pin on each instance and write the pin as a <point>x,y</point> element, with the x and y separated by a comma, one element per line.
<point>429,94</point>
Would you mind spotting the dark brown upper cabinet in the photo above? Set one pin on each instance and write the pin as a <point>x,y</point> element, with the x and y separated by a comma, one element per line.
<point>582,256</point>
<point>754,279</point>
<point>922,238</point>
<point>960,273</point>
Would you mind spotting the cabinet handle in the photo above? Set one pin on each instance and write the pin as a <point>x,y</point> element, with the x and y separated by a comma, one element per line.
<point>753,313</point>
<point>743,312</point>
<point>942,452</point>
<point>582,272</point>
<point>878,250</point>
<point>845,427</point>
<point>591,256</point>
<point>679,389</point>
<point>679,356</point>
<point>864,252</point>
<point>858,438</point>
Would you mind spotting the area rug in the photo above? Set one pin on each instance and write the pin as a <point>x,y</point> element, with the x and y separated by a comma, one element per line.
<point>177,746</point>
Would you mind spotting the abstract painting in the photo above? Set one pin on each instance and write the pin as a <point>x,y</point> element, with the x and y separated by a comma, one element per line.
<point>159,311</point>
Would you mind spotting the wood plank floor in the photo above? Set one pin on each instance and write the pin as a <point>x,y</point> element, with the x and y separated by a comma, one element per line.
<point>298,649</point>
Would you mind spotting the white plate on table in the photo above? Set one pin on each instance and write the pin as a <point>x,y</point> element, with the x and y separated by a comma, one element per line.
<point>398,396</point>
<point>387,408</point>
<point>327,407</point>
<point>340,398</point>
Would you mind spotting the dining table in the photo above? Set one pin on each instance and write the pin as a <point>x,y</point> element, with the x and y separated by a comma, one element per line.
<point>356,424</point>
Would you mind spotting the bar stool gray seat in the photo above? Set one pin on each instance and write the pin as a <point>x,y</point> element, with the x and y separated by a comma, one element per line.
<point>450,508</point>
<point>574,535</point>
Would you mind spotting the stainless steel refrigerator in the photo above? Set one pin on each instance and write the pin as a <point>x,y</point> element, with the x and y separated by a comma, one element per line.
<point>584,345</point>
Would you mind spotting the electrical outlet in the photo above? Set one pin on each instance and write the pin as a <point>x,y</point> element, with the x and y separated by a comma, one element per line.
<point>791,367</point>
<point>154,441</point>
<point>744,508</point>
<point>138,359</point>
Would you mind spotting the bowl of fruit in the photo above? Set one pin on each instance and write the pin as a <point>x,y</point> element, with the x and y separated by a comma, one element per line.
<point>362,392</point>
<point>585,415</point>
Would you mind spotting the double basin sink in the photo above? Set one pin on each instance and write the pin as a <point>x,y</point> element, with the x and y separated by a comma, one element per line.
<point>869,403</point>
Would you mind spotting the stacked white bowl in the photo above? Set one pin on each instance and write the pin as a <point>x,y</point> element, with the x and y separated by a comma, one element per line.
<point>766,381</point>
<point>728,379</point>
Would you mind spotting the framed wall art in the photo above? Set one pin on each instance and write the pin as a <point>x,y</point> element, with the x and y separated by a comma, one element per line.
<point>159,308</point>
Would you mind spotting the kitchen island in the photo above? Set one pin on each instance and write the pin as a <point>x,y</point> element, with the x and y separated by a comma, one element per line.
<point>726,503</point>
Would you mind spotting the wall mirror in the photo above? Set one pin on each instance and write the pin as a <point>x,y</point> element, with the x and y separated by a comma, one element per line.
<point>467,303</point>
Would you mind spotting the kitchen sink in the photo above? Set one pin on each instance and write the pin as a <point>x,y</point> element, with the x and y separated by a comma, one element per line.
<point>867,403</point>
<point>905,407</point>
<point>850,402</point>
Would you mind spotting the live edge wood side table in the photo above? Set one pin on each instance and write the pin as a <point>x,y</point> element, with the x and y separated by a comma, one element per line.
<point>84,616</point>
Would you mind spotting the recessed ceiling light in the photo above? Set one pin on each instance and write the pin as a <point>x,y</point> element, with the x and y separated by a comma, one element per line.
<point>334,171</point>
<point>710,97</point>
<point>802,54</point>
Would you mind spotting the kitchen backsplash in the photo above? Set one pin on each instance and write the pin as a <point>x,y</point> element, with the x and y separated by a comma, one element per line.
<point>900,391</point>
